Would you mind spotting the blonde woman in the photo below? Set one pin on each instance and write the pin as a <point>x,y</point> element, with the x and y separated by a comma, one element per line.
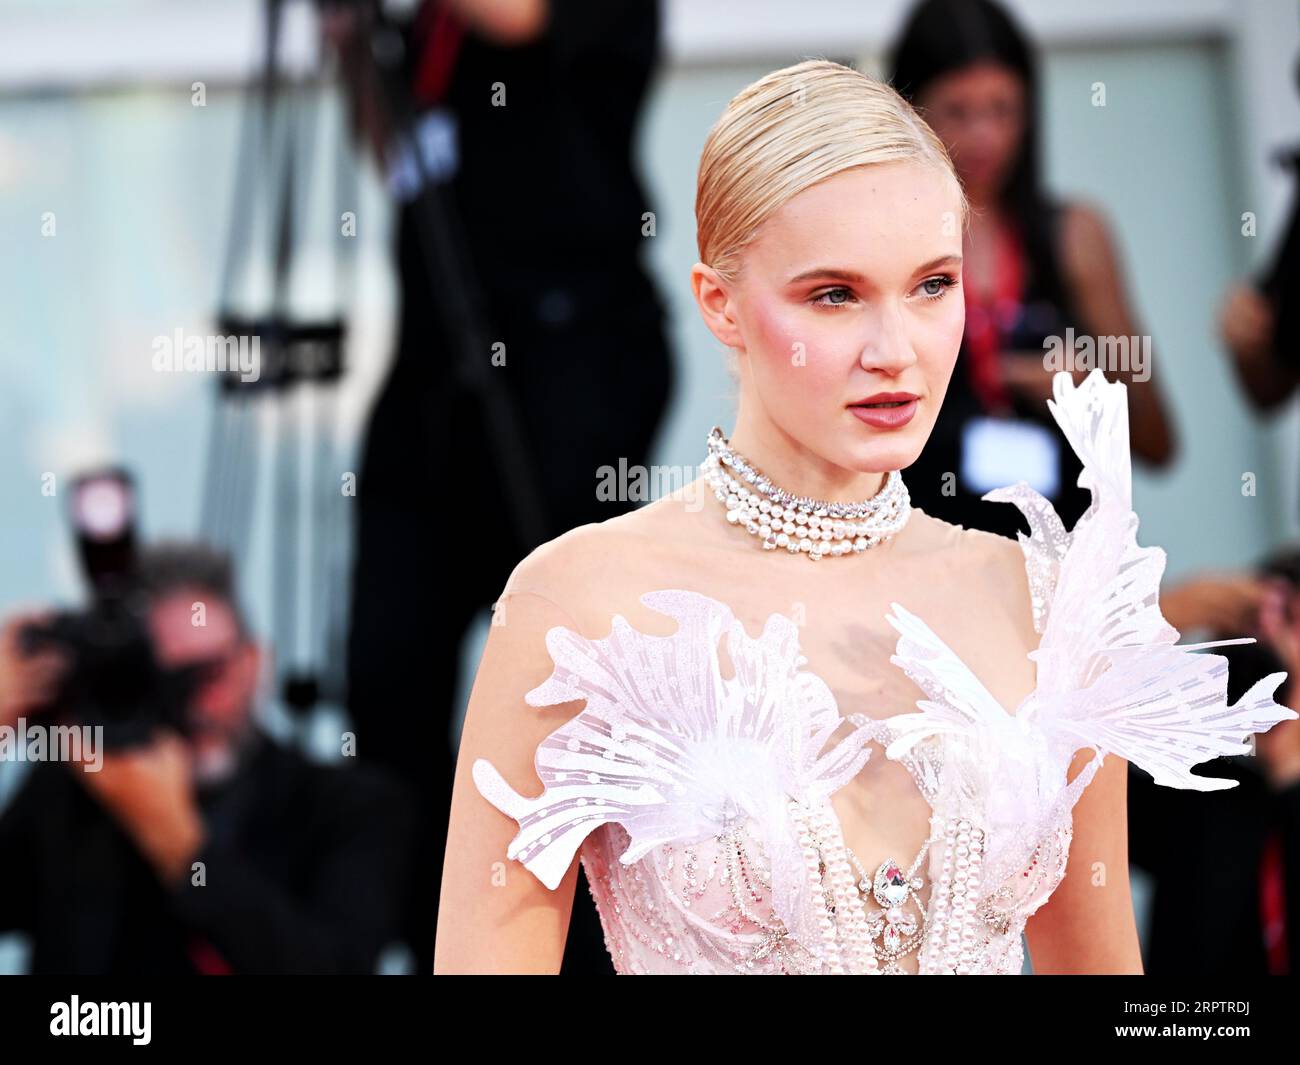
<point>787,722</point>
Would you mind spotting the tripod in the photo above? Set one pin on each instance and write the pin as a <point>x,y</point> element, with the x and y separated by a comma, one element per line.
<point>287,416</point>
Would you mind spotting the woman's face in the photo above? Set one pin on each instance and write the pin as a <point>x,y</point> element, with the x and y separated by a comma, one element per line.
<point>848,290</point>
<point>979,114</point>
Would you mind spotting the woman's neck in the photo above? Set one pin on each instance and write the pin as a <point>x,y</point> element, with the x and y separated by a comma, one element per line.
<point>795,469</point>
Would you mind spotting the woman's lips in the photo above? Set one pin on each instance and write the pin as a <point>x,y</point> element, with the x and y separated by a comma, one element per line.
<point>886,416</point>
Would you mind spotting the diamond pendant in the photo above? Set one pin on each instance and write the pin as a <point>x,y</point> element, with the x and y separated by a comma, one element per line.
<point>896,928</point>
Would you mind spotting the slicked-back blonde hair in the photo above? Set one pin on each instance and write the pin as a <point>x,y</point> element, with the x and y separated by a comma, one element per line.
<point>789,130</point>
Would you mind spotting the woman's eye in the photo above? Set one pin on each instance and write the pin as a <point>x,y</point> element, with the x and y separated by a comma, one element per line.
<point>824,301</point>
<point>931,289</point>
<point>934,288</point>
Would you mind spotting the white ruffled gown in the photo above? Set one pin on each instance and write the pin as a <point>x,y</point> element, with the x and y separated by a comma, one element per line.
<point>720,820</point>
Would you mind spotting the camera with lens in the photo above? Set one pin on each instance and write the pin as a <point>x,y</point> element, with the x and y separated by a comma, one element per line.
<point>112,679</point>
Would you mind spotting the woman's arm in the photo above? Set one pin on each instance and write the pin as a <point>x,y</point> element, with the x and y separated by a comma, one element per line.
<point>1088,926</point>
<point>1247,323</point>
<point>505,22</point>
<point>494,916</point>
<point>1096,281</point>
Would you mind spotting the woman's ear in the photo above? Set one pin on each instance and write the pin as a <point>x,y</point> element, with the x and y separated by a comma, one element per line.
<point>716,306</point>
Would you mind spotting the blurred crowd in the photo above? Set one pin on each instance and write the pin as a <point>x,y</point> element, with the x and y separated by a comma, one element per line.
<point>200,843</point>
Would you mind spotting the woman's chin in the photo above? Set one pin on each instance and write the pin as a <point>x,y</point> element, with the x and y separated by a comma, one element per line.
<point>881,455</point>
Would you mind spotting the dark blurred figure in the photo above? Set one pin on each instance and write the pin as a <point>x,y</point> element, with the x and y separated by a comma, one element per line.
<point>1258,322</point>
<point>553,213</point>
<point>1032,269</point>
<point>303,862</point>
<point>1260,318</point>
<point>1227,869</point>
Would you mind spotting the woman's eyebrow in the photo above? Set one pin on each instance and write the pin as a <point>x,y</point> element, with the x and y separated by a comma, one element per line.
<point>852,276</point>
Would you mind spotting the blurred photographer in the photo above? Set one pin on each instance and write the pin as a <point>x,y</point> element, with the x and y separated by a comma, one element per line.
<point>203,846</point>
<point>1227,872</point>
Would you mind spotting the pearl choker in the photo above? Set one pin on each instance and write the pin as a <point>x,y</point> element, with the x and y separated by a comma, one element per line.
<point>809,526</point>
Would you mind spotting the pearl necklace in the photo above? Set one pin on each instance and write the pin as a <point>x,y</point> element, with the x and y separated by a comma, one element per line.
<point>801,525</point>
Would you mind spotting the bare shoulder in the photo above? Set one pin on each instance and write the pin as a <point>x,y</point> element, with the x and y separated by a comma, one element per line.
<point>985,571</point>
<point>1082,218</point>
<point>926,533</point>
<point>574,568</point>
<point>1000,555</point>
<point>1086,242</point>
<point>568,561</point>
<point>997,566</point>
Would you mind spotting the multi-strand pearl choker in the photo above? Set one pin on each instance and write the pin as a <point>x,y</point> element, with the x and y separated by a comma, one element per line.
<point>809,526</point>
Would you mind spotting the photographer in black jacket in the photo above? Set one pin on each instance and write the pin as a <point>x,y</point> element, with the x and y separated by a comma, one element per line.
<point>1226,896</point>
<point>215,851</point>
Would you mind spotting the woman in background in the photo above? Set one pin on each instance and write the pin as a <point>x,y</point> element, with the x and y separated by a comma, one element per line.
<point>1033,268</point>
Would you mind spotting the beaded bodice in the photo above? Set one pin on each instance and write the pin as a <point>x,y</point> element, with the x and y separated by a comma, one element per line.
<point>702,805</point>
